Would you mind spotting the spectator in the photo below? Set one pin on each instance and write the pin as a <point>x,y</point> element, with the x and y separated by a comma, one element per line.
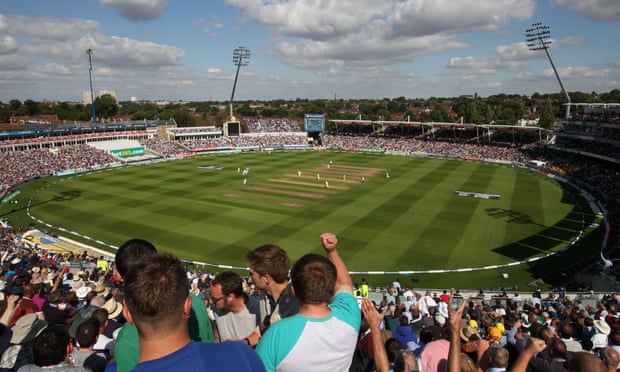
<point>104,345</point>
<point>83,354</point>
<point>236,314</point>
<point>26,305</point>
<point>19,352</point>
<point>269,266</point>
<point>322,336</point>
<point>161,312</point>
<point>405,335</point>
<point>51,352</point>
<point>126,349</point>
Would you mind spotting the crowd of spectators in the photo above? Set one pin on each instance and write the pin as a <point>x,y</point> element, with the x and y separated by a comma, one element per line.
<point>21,166</point>
<point>269,140</point>
<point>163,147</point>
<point>272,125</point>
<point>411,146</point>
<point>403,329</point>
<point>205,143</point>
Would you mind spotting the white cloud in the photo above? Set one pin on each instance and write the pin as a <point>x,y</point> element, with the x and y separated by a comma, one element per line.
<point>601,10</point>
<point>480,66</point>
<point>50,28</point>
<point>315,34</point>
<point>8,44</point>
<point>137,10</point>
<point>10,63</point>
<point>209,27</point>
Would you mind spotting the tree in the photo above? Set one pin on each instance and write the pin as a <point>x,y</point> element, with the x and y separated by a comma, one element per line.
<point>183,118</point>
<point>15,104</point>
<point>547,118</point>
<point>105,106</point>
<point>32,107</point>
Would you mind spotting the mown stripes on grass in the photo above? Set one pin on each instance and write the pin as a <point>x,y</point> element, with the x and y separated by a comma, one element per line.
<point>412,221</point>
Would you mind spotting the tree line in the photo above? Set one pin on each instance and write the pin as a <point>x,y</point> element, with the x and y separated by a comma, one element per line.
<point>502,109</point>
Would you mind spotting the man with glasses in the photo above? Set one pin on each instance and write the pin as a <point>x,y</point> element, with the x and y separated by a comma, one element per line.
<point>269,267</point>
<point>236,314</point>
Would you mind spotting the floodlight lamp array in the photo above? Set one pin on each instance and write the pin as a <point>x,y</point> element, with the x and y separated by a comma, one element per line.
<point>537,37</point>
<point>241,56</point>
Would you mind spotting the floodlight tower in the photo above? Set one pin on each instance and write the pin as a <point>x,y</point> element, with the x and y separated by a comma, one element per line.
<point>90,77</point>
<point>537,38</point>
<point>241,57</point>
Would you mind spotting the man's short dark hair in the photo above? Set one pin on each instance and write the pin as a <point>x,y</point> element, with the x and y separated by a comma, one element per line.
<point>131,252</point>
<point>50,346</point>
<point>392,348</point>
<point>87,332</point>
<point>100,315</point>
<point>231,282</point>
<point>155,292</point>
<point>499,357</point>
<point>584,361</point>
<point>270,259</point>
<point>314,277</point>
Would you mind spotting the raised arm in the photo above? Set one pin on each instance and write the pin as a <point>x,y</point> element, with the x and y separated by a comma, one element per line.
<point>533,347</point>
<point>374,318</point>
<point>343,280</point>
<point>454,355</point>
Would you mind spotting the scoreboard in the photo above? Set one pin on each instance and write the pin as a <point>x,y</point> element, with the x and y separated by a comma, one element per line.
<point>314,122</point>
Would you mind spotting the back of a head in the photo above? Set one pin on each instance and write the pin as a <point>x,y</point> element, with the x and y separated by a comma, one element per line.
<point>405,361</point>
<point>130,253</point>
<point>610,357</point>
<point>87,332</point>
<point>566,330</point>
<point>392,348</point>
<point>270,259</point>
<point>100,316</point>
<point>557,348</point>
<point>314,277</point>
<point>585,362</point>
<point>499,357</point>
<point>50,346</point>
<point>614,338</point>
<point>231,283</point>
<point>155,292</point>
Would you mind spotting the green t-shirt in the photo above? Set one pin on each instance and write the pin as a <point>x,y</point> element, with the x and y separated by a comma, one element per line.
<point>127,349</point>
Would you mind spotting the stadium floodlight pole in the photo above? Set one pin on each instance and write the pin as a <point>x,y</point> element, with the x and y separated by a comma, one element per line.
<point>241,57</point>
<point>537,38</point>
<point>90,77</point>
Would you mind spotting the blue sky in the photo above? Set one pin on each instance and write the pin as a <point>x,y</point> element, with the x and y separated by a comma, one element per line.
<point>182,49</point>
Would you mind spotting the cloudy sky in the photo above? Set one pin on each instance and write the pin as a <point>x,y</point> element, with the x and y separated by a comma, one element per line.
<point>182,49</point>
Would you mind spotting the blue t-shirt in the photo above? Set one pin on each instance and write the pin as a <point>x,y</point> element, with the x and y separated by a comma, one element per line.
<point>298,343</point>
<point>200,356</point>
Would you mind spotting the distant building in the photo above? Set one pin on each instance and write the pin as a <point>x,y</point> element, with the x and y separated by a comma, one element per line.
<point>86,99</point>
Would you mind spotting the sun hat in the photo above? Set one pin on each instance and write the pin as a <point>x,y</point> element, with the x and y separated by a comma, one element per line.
<point>101,290</point>
<point>82,292</point>
<point>602,326</point>
<point>27,328</point>
<point>113,307</point>
<point>467,332</point>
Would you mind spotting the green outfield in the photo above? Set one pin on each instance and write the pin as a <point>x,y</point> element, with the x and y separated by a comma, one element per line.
<point>200,209</point>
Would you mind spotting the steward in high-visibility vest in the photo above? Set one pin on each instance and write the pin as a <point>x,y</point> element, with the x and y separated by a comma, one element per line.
<point>364,288</point>
<point>102,264</point>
